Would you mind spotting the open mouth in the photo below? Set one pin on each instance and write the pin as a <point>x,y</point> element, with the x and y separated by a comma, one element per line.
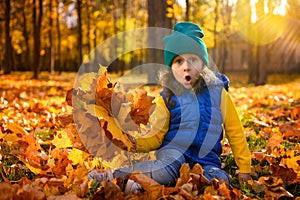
<point>188,78</point>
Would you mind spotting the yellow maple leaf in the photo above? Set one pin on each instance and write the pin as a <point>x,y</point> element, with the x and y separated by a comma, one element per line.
<point>35,170</point>
<point>76,156</point>
<point>291,161</point>
<point>75,175</point>
<point>61,140</point>
<point>112,129</point>
<point>94,163</point>
<point>16,128</point>
<point>116,162</point>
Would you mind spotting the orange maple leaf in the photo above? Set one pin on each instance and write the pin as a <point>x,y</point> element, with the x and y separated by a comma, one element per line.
<point>142,107</point>
<point>60,161</point>
<point>274,147</point>
<point>104,92</point>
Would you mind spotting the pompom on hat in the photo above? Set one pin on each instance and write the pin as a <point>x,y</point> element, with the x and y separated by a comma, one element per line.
<point>186,38</point>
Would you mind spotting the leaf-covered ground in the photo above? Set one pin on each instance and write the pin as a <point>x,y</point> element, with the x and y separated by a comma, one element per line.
<point>42,157</point>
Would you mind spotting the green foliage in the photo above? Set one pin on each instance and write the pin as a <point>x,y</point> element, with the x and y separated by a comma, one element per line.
<point>93,189</point>
<point>11,167</point>
<point>256,143</point>
<point>44,134</point>
<point>247,190</point>
<point>230,165</point>
<point>294,189</point>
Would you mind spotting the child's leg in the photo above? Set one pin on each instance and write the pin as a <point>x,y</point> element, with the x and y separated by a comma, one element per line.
<point>211,172</point>
<point>164,170</point>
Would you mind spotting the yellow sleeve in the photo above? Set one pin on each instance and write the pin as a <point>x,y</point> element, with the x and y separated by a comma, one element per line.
<point>160,119</point>
<point>235,133</point>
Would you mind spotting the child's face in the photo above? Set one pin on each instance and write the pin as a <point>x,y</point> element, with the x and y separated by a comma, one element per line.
<point>186,69</point>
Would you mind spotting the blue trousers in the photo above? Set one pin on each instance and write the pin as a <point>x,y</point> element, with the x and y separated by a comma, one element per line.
<point>165,169</point>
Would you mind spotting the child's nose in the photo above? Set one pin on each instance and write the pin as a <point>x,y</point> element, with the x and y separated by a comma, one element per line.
<point>186,66</point>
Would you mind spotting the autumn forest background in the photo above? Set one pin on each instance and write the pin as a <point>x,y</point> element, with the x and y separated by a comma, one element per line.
<point>44,43</point>
<point>242,35</point>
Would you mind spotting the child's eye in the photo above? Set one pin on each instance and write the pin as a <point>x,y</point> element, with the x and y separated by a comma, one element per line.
<point>193,60</point>
<point>178,61</point>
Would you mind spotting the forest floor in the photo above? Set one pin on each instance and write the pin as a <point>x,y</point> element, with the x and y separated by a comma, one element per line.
<point>42,157</point>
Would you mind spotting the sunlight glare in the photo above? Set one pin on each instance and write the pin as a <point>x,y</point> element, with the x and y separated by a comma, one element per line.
<point>253,10</point>
<point>281,9</point>
<point>268,27</point>
<point>231,2</point>
<point>182,3</point>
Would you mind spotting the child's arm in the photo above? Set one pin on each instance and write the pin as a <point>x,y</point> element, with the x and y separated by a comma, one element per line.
<point>160,126</point>
<point>235,134</point>
<point>153,138</point>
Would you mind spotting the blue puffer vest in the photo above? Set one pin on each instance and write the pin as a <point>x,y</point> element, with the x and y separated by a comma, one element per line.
<point>196,124</point>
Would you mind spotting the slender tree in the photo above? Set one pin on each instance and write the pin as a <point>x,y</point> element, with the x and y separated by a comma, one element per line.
<point>8,48</point>
<point>88,21</point>
<point>124,12</point>
<point>58,51</point>
<point>157,17</point>
<point>37,26</point>
<point>225,44</point>
<point>26,36</point>
<point>80,45</point>
<point>243,16</point>
<point>187,10</point>
<point>261,74</point>
<point>215,29</point>
<point>51,52</point>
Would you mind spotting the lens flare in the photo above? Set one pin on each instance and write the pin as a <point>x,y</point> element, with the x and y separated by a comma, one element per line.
<point>265,30</point>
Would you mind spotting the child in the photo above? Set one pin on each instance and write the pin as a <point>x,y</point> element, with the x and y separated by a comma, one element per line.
<point>200,109</point>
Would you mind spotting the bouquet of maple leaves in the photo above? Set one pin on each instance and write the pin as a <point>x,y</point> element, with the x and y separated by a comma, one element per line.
<point>120,115</point>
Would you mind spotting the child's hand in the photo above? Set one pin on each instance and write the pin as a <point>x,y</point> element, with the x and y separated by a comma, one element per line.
<point>243,177</point>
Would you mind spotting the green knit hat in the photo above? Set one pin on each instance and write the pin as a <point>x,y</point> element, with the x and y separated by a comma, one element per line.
<point>186,38</point>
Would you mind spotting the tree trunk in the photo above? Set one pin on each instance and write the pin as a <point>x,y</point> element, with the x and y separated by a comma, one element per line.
<point>52,57</point>
<point>26,37</point>
<point>8,47</point>
<point>225,45</point>
<point>88,28</point>
<point>114,50</point>
<point>80,46</point>
<point>37,38</point>
<point>124,29</point>
<point>58,53</point>
<point>215,31</point>
<point>251,63</point>
<point>157,11</point>
<point>262,65</point>
<point>187,10</point>
<point>261,74</point>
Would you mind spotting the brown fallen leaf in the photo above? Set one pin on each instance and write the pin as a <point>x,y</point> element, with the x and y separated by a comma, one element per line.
<point>278,193</point>
<point>66,119</point>
<point>291,130</point>
<point>153,190</point>
<point>287,175</point>
<point>184,175</point>
<point>112,191</point>
<point>7,191</point>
